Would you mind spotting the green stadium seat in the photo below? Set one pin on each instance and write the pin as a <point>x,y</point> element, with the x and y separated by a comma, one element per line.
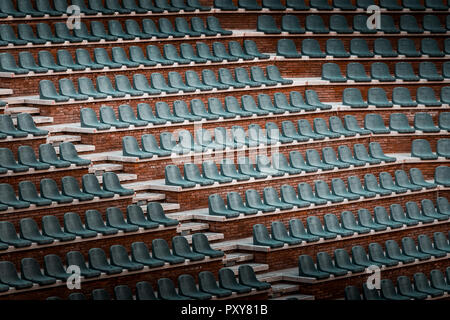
<point>359,257</point>
<point>315,227</point>
<point>432,24</point>
<point>338,24</point>
<point>421,284</point>
<point>29,230</point>
<point>9,277</point>
<point>332,224</point>
<point>365,220</point>
<point>9,236</point>
<point>312,99</point>
<point>325,264</point>
<point>213,24</point>
<point>359,47</point>
<point>247,277</point>
<point>332,73</point>
<point>375,123</point>
<point>182,26</point>
<point>428,71</point>
<point>430,47</point>
<point>399,122</point>
<point>335,48</point>
<point>98,261</point>
<point>311,48</point>
<point>291,24</point>
<point>306,268</point>
<point>427,97</point>
<point>52,228</point>
<point>297,230</point>
<point>261,237</point>
<point>387,25</point>
<point>354,186</point>
<point>348,222</point>
<point>429,210</point>
<point>67,89</point>
<point>315,24</point>
<point>26,61</point>
<point>413,5</point>
<point>351,124</point>
<point>407,48</point>
<point>352,97</point>
<point>380,71</point>
<point>344,5</point>
<point>360,24</point>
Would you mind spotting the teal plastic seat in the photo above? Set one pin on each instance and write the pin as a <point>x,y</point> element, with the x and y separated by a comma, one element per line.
<point>92,186</point>
<point>376,152</point>
<point>173,177</point>
<point>94,221</point>
<point>442,148</point>
<point>427,97</point>
<point>436,5</point>
<point>200,244</point>
<point>342,260</point>
<point>159,83</point>
<point>407,48</point>
<point>304,129</point>
<point>335,48</point>
<point>424,122</point>
<point>140,83</point>
<point>213,24</point>
<point>442,175</point>
<point>227,280</point>
<point>338,24</point>
<point>384,48</point>
<point>389,292</point>
<point>348,222</point>
<point>307,268</point>
<point>315,24</point>
<point>351,124</point>
<point>365,220</point>
<point>387,25</point>
<point>267,24</point>
<point>332,224</point>
<point>52,228</point>
<point>359,47</point>
<point>29,230</point>
<point>429,210</point>
<point>312,99</point>
<point>155,213</point>
<point>114,219</point>
<point>432,24</point>
<point>380,71</point>
<point>27,62</point>
<point>286,48</point>
<point>67,152</point>
<point>205,139</point>
<point>137,56</point>
<point>409,248</point>
<point>119,257</point>
<point>291,24</point>
<point>120,56</point>
<point>325,264</point>
<point>131,148</point>
<point>311,48</point>
<point>315,227</point>
<point>352,97</point>
<point>421,284</point>
<point>98,261</point>
<point>108,116</point>
<point>247,277</point>
<point>430,47</point>
<point>404,71</point>
<point>161,251</point>
<point>437,280</point>
<point>9,236</point>
<point>339,188</point>
<point>355,186</point>
<point>261,237</point>
<point>141,254</point>
<point>8,64</point>
<point>356,72</point>
<point>67,89</point>
<point>47,91</point>
<point>332,73</point>
<point>421,148</point>
<point>428,71</point>
<point>84,59</point>
<point>399,122</point>
<point>73,225</point>
<point>136,216</point>
<point>273,5</point>
<point>360,24</point>
<point>323,192</point>
<point>10,278</point>
<point>31,271</point>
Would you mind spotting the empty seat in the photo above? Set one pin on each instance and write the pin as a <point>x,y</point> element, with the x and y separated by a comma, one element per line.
<point>352,97</point>
<point>384,48</point>
<point>409,24</point>
<point>378,98</point>
<point>227,280</point>
<point>432,24</point>
<point>401,96</point>
<point>428,71</point>
<point>359,47</point>
<point>360,24</point>
<point>404,71</point>
<point>291,24</point>
<point>431,48</point>
<point>67,152</point>
<point>338,23</point>
<point>267,24</point>
<point>335,48</point>
<point>315,24</point>
<point>375,123</point>
<point>332,73</point>
<point>407,48</point>
<point>427,97</point>
<point>307,268</point>
<point>380,71</point>
<point>311,48</point>
<point>421,148</point>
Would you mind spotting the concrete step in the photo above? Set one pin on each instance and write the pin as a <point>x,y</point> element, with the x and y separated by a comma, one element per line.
<point>180,216</point>
<point>81,148</point>
<point>138,185</point>
<point>148,197</point>
<point>6,92</point>
<point>296,297</point>
<point>257,267</point>
<point>279,289</point>
<point>105,167</point>
<point>166,207</point>
<point>37,119</point>
<point>57,139</point>
<point>188,227</point>
<point>121,176</point>
<point>212,236</point>
<point>237,257</point>
<point>16,110</point>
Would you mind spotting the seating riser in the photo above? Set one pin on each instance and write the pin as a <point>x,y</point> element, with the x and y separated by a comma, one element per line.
<point>291,68</point>
<point>198,197</point>
<point>232,20</point>
<point>335,289</point>
<point>237,229</point>
<point>288,258</point>
<point>33,81</point>
<point>110,282</point>
<point>37,176</point>
<point>83,246</point>
<point>150,170</point>
<point>15,143</point>
<point>59,210</point>
<point>68,113</point>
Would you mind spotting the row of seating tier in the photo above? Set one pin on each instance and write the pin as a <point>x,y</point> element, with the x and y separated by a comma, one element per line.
<point>278,167</point>
<point>25,126</point>
<point>94,226</point>
<point>49,192</point>
<point>422,289</point>
<point>306,197</point>
<point>187,288</point>
<point>401,96</point>
<point>342,265</point>
<point>47,157</point>
<point>96,7</point>
<point>345,5</point>
<point>349,225</point>
<point>43,31</point>
<point>380,71</point>
<point>359,47</point>
<point>421,148</point>
<point>141,85</point>
<point>99,264</point>
<point>120,59</point>
<point>338,23</point>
